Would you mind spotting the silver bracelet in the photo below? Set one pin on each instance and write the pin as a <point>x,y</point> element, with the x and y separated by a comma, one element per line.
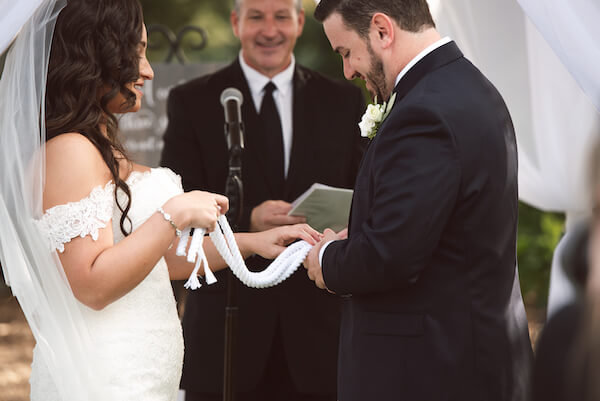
<point>167,217</point>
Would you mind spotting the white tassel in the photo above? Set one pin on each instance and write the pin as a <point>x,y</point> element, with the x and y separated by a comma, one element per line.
<point>183,241</point>
<point>209,276</point>
<point>196,252</point>
<point>193,282</point>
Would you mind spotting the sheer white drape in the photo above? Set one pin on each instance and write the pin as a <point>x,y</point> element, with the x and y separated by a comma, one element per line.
<point>541,77</point>
<point>33,271</point>
<point>572,30</point>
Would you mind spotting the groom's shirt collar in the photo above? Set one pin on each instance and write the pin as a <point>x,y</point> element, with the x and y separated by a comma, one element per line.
<point>420,56</point>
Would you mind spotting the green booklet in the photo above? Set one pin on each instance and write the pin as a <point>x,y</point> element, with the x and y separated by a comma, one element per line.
<point>324,207</point>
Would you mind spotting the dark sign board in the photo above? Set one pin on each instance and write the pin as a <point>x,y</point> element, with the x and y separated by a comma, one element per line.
<point>142,132</point>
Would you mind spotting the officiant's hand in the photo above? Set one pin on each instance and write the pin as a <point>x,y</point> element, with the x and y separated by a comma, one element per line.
<point>311,263</point>
<point>272,213</point>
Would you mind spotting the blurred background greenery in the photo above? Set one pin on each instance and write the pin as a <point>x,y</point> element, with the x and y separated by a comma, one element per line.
<point>539,231</point>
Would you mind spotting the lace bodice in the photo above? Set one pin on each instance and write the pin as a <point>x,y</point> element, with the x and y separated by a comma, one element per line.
<point>139,336</point>
<point>62,223</point>
<point>87,216</point>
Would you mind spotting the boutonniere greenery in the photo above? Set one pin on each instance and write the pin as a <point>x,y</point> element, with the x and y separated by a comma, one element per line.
<point>374,116</point>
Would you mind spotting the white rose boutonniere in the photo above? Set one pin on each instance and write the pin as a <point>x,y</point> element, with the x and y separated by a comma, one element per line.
<point>374,116</point>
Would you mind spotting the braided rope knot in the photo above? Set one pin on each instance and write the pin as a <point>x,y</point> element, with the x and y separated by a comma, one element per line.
<point>279,270</point>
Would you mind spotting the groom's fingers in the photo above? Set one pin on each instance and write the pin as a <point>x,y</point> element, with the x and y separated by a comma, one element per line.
<point>330,235</point>
<point>314,233</point>
<point>309,260</point>
<point>313,268</point>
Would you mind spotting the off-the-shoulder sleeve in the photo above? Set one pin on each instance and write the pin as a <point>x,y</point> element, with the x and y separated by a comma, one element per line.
<point>60,224</point>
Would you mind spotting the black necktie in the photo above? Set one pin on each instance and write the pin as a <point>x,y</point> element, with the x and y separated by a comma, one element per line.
<point>272,128</point>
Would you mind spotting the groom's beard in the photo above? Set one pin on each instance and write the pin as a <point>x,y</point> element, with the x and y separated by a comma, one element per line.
<point>376,75</point>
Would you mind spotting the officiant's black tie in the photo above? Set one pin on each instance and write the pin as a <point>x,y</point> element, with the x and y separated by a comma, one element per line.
<point>272,129</point>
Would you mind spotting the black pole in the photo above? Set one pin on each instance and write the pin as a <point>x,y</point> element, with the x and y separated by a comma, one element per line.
<point>235,193</point>
<point>231,317</point>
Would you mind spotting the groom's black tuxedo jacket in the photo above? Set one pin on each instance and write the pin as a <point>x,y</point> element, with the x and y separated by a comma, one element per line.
<point>326,148</point>
<point>430,258</point>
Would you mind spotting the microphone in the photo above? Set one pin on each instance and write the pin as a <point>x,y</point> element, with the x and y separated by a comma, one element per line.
<point>231,100</point>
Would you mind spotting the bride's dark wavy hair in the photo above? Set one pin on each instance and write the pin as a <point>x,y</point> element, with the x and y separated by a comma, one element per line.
<point>94,50</point>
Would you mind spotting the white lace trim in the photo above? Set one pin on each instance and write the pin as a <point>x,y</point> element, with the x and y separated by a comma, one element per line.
<point>62,223</point>
<point>137,176</point>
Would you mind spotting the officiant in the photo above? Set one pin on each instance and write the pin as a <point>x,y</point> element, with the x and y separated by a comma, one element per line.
<point>300,128</point>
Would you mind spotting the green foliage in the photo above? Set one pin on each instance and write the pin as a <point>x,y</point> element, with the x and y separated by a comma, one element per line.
<point>539,232</point>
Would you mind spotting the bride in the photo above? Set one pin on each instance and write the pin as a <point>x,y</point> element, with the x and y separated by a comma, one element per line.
<point>103,311</point>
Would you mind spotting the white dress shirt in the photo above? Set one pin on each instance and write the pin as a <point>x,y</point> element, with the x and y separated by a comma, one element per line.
<point>420,56</point>
<point>408,66</point>
<point>283,96</point>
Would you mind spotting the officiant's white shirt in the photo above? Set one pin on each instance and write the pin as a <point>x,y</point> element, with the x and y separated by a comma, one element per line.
<point>283,97</point>
<point>408,66</point>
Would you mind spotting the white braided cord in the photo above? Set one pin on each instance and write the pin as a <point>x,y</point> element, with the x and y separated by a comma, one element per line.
<point>279,270</point>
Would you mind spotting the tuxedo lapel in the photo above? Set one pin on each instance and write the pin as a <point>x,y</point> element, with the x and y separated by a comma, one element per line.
<point>434,60</point>
<point>441,56</point>
<point>255,142</point>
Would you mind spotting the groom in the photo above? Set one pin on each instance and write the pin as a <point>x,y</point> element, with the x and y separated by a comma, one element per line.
<point>432,307</point>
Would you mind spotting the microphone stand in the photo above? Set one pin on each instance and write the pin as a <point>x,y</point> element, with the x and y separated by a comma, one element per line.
<point>235,193</point>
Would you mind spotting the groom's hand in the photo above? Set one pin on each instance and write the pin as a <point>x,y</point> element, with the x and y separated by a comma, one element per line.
<point>271,214</point>
<point>311,263</point>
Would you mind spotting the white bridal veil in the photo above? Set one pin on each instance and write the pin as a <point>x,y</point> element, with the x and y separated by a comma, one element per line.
<point>33,272</point>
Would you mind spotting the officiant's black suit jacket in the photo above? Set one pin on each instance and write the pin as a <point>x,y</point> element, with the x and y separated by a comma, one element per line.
<point>326,148</point>
<point>430,259</point>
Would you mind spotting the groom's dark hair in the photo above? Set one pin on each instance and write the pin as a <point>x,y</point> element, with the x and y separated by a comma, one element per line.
<point>410,15</point>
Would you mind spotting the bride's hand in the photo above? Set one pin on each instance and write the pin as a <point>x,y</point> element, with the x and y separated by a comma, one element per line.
<point>270,243</point>
<point>197,209</point>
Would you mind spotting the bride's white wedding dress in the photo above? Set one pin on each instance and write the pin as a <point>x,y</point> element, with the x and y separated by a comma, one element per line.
<point>139,336</point>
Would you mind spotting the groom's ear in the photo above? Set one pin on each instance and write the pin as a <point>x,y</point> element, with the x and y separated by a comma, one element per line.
<point>382,30</point>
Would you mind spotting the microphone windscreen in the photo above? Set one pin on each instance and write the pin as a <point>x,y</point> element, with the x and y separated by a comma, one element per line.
<point>231,94</point>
